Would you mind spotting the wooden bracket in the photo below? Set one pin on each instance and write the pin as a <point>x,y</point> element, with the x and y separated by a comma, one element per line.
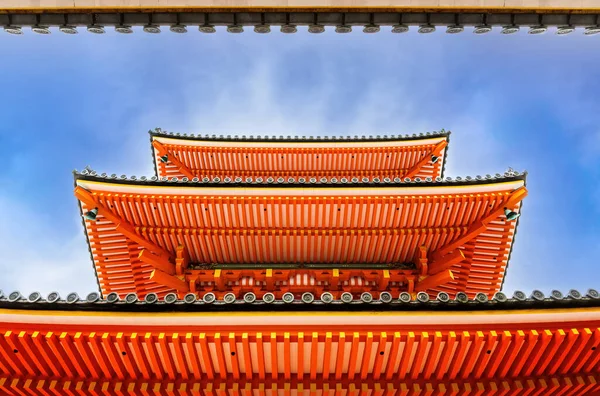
<point>422,261</point>
<point>121,225</point>
<point>481,225</point>
<point>417,167</point>
<point>162,150</point>
<point>170,281</point>
<point>182,260</point>
<point>158,262</point>
<point>447,261</point>
<point>434,281</point>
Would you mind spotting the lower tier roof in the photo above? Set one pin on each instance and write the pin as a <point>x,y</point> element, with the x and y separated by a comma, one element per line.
<point>484,352</point>
<point>453,236</point>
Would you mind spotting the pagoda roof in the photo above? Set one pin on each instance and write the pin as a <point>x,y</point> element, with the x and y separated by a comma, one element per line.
<point>299,157</point>
<point>542,345</point>
<point>375,223</point>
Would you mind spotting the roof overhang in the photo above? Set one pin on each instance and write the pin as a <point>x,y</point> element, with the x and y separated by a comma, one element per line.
<point>194,13</point>
<point>545,350</point>
<point>365,158</point>
<point>154,236</point>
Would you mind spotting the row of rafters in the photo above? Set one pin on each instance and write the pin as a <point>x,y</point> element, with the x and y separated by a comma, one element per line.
<point>140,228</point>
<point>573,385</point>
<point>181,157</point>
<point>186,347</point>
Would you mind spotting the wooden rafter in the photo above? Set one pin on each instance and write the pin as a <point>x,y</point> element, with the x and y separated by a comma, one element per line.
<point>162,150</point>
<point>158,262</point>
<point>122,226</point>
<point>479,226</point>
<point>417,167</point>
<point>171,281</point>
<point>446,262</point>
<point>433,281</point>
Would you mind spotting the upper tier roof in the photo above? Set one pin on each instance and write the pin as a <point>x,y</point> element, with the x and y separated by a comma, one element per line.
<point>332,224</point>
<point>306,157</point>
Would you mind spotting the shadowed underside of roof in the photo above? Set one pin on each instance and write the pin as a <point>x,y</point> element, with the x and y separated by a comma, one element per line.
<point>367,158</point>
<point>428,236</point>
<point>367,353</point>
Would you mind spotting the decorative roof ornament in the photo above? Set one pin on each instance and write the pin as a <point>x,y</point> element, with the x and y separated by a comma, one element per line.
<point>39,29</point>
<point>512,28</point>
<point>482,28</point>
<point>262,28</point>
<point>177,28</point>
<point>315,27</point>
<point>91,214</point>
<point>591,30</point>
<point>455,29</point>
<point>94,27</point>
<point>343,29</point>
<point>152,29</point>
<point>371,28</point>
<point>207,27</point>
<point>400,27</point>
<point>540,28</point>
<point>68,29</point>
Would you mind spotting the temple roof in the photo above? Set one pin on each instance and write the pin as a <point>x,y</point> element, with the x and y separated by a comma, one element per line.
<point>523,346</point>
<point>362,224</point>
<point>299,157</point>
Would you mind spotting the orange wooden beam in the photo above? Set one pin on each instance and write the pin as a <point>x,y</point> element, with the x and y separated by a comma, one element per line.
<point>158,262</point>
<point>432,281</point>
<point>436,151</point>
<point>162,150</point>
<point>182,259</point>
<point>121,225</point>
<point>446,262</point>
<point>480,226</point>
<point>169,280</point>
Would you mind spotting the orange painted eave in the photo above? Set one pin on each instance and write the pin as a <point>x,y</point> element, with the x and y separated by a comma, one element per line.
<point>362,351</point>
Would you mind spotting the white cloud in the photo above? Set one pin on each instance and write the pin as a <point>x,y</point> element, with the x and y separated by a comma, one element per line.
<point>403,94</point>
<point>35,256</point>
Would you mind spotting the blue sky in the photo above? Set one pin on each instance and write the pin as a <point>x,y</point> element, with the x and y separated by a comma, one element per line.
<point>528,102</point>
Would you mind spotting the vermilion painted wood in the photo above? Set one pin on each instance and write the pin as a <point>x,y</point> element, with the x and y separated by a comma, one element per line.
<point>572,385</point>
<point>330,160</point>
<point>361,229</point>
<point>72,358</point>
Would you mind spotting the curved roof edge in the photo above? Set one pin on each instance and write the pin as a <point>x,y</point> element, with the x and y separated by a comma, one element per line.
<point>500,302</point>
<point>158,132</point>
<point>91,175</point>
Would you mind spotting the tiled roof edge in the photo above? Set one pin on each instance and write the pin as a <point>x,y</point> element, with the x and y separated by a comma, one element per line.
<point>158,132</point>
<point>87,174</point>
<point>130,302</point>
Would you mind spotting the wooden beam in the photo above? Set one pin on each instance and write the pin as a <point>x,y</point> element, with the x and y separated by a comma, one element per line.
<point>436,280</point>
<point>422,264</point>
<point>182,259</point>
<point>436,151</point>
<point>481,225</point>
<point>445,262</point>
<point>466,6</point>
<point>121,225</point>
<point>162,150</point>
<point>158,262</point>
<point>169,280</point>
